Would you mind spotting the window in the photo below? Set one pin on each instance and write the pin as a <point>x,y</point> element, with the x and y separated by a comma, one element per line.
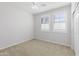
<point>59,23</point>
<point>45,23</point>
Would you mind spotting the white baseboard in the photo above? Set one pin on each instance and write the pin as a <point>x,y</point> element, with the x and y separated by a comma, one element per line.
<point>14,44</point>
<point>37,39</point>
<point>56,42</point>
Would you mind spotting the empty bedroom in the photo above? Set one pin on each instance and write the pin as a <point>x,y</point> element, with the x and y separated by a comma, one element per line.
<point>39,28</point>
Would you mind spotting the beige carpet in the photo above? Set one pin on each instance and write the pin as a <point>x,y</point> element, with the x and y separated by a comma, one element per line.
<point>37,48</point>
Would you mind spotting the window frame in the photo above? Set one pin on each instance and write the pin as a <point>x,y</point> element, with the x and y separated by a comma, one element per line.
<point>43,16</point>
<point>65,21</point>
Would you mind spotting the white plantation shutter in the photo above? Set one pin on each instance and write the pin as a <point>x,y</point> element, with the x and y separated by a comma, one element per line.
<point>59,23</point>
<point>45,23</point>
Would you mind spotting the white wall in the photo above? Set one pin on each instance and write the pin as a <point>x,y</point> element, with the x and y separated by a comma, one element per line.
<point>60,38</point>
<point>16,25</point>
<point>73,5</point>
<point>76,31</point>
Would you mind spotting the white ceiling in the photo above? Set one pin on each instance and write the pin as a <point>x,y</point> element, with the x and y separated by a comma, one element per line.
<point>43,6</point>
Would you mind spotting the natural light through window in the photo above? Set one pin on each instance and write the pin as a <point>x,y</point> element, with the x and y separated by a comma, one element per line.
<point>59,23</point>
<point>45,23</point>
